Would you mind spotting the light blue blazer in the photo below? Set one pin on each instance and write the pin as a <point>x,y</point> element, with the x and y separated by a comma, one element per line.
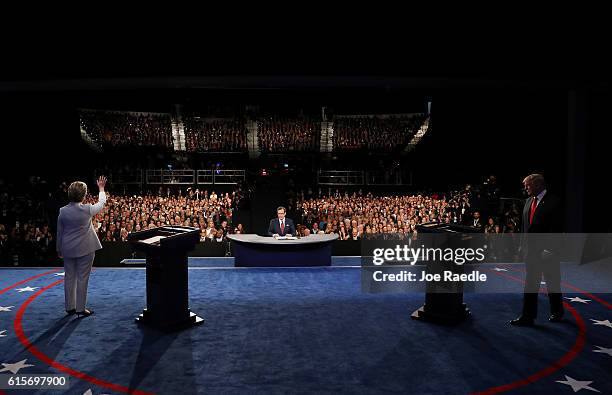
<point>76,236</point>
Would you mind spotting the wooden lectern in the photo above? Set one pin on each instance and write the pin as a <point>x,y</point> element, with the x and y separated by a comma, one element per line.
<point>444,300</point>
<point>166,250</point>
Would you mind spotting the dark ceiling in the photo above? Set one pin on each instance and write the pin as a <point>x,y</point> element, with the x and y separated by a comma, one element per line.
<point>414,66</point>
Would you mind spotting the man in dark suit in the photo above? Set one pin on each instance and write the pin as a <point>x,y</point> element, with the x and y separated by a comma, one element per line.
<point>476,220</point>
<point>281,226</point>
<point>541,218</point>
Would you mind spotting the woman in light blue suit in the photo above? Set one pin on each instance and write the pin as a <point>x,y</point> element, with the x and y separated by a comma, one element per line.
<point>77,242</point>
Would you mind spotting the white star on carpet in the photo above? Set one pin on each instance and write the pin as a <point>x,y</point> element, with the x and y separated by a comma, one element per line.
<point>604,323</point>
<point>578,299</point>
<point>89,392</point>
<point>27,289</point>
<point>60,274</point>
<point>577,385</point>
<point>498,269</point>
<point>3,334</point>
<point>14,367</point>
<point>601,350</point>
<point>7,308</point>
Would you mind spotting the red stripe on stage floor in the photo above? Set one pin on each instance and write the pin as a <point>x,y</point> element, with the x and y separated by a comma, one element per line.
<point>561,362</point>
<point>23,282</point>
<point>28,279</point>
<point>51,362</point>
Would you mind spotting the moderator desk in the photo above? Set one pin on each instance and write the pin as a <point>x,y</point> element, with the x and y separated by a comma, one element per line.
<point>251,250</point>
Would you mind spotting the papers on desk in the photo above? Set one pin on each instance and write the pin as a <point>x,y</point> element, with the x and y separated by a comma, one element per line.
<point>286,238</point>
<point>153,240</point>
<point>176,229</point>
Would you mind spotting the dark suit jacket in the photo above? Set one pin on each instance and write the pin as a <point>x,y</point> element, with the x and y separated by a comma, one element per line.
<point>470,222</point>
<point>274,227</point>
<point>546,219</point>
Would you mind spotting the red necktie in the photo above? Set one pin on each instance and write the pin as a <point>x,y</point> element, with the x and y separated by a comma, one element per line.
<point>283,227</point>
<point>534,204</point>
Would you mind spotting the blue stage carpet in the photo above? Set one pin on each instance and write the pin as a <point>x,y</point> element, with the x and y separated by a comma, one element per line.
<point>298,330</point>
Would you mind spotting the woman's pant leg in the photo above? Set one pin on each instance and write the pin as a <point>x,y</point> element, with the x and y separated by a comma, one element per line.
<point>83,268</point>
<point>70,283</point>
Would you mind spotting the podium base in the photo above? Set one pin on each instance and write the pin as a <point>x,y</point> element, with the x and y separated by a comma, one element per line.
<point>441,317</point>
<point>169,325</point>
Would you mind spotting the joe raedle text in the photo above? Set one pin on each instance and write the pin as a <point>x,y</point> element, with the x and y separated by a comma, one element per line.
<point>446,276</point>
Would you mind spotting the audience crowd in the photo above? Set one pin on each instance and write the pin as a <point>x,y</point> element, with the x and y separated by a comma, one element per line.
<point>209,212</point>
<point>202,135</point>
<point>357,215</point>
<point>278,134</point>
<point>128,129</point>
<point>27,218</point>
<point>374,133</point>
<point>275,133</point>
<point>25,234</point>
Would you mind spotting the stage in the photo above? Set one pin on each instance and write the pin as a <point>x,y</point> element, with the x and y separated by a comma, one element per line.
<point>295,330</point>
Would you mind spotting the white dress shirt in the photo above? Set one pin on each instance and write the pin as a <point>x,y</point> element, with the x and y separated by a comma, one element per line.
<point>540,197</point>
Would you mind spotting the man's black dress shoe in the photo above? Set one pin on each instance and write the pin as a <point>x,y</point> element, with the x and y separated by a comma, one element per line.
<point>522,321</point>
<point>556,318</point>
<point>84,313</point>
<point>71,312</point>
